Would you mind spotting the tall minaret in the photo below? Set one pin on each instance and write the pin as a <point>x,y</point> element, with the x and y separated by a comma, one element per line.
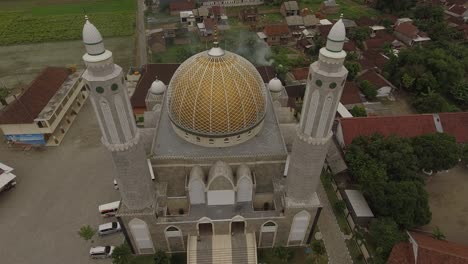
<point>111,102</point>
<point>325,83</point>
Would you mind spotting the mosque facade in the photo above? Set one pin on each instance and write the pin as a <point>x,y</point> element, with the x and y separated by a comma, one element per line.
<point>225,183</point>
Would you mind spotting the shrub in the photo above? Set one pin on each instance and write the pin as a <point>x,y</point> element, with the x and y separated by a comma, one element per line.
<point>368,90</point>
<point>358,111</point>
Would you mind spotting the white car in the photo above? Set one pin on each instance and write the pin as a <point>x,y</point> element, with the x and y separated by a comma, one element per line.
<point>109,228</point>
<point>101,252</point>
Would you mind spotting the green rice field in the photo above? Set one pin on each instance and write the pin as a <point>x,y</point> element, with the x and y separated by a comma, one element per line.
<point>35,21</point>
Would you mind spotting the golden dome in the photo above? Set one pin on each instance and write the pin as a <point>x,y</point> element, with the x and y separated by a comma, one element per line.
<point>216,93</point>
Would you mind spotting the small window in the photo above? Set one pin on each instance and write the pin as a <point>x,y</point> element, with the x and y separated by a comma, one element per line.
<point>99,89</point>
<point>318,83</point>
<point>114,87</point>
<point>198,139</point>
<point>39,124</point>
<point>211,141</point>
<point>332,85</point>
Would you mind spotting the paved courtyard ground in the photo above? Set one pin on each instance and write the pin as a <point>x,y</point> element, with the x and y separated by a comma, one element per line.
<point>58,191</point>
<point>448,201</point>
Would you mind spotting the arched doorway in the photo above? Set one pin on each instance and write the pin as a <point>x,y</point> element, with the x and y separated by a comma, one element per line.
<point>141,236</point>
<point>299,228</point>
<point>205,227</point>
<point>268,235</point>
<point>237,225</point>
<point>174,238</point>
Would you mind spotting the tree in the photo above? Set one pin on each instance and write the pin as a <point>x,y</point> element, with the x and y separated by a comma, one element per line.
<point>368,89</point>
<point>436,152</point>
<point>394,6</point>
<point>161,258</point>
<point>360,34</point>
<point>433,103</point>
<point>317,247</point>
<point>283,254</point>
<point>407,203</point>
<point>437,233</point>
<point>353,69</point>
<point>385,234</point>
<point>463,150</point>
<point>122,254</point>
<point>459,91</point>
<point>357,111</point>
<point>86,232</point>
<point>352,56</point>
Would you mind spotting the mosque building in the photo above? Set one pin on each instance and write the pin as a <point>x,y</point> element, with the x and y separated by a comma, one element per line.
<point>225,183</point>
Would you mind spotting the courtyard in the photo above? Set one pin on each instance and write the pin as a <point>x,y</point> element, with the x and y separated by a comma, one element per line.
<point>58,191</point>
<point>447,200</point>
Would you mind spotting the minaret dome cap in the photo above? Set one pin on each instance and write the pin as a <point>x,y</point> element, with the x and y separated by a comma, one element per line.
<point>338,32</point>
<point>157,87</point>
<point>275,85</point>
<point>92,39</point>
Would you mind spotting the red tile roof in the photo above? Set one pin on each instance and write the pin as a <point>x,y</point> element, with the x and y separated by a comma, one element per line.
<point>349,46</point>
<point>300,73</point>
<point>217,10</point>
<point>403,126</point>
<point>457,9</point>
<point>407,29</point>
<point>164,73</point>
<point>456,124</point>
<point>429,251</point>
<point>366,22</point>
<point>381,37</point>
<point>350,94</point>
<point>374,78</point>
<point>276,30</point>
<point>402,253</point>
<point>26,108</point>
<point>372,59</point>
<point>182,5</point>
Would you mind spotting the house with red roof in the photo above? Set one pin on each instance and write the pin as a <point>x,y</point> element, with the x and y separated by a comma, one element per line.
<point>175,7</point>
<point>278,34</point>
<point>458,11</point>
<point>422,248</point>
<point>454,124</point>
<point>44,112</point>
<point>408,33</point>
<point>383,86</point>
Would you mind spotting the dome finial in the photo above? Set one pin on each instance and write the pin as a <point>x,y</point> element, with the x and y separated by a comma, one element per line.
<point>341,16</point>
<point>86,17</point>
<point>92,39</point>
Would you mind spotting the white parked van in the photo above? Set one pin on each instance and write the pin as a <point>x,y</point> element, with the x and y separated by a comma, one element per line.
<point>101,252</point>
<point>109,209</point>
<point>109,228</point>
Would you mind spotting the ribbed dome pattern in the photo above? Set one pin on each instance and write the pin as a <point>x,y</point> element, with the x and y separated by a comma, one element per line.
<point>216,95</point>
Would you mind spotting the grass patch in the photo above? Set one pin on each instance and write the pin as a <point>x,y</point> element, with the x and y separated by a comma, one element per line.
<point>47,20</point>
<point>332,198</point>
<point>350,8</point>
<point>271,18</point>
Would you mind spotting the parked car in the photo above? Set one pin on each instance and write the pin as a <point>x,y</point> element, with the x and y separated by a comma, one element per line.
<point>7,179</point>
<point>109,228</point>
<point>109,209</point>
<point>101,252</point>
